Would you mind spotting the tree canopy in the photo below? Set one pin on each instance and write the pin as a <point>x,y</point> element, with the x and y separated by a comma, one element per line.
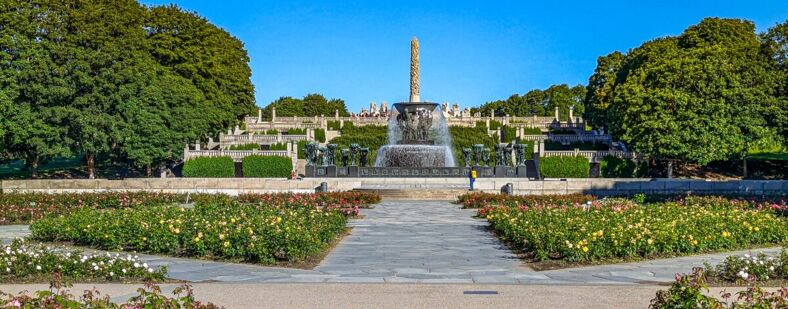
<point>310,105</point>
<point>538,102</point>
<point>114,79</point>
<point>708,94</point>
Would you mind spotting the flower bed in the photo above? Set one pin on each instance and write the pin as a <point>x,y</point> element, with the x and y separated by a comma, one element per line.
<point>258,233</point>
<point>23,262</point>
<point>749,268</point>
<point>59,296</point>
<point>482,200</point>
<point>23,208</point>
<point>690,291</point>
<point>623,229</point>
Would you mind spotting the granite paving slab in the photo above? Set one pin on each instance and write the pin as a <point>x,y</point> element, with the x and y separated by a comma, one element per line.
<point>422,242</point>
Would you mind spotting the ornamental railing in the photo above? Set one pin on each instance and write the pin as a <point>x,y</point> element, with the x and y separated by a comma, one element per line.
<point>593,156</point>
<point>236,155</point>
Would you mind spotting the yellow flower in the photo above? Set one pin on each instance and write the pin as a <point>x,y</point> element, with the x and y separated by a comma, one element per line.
<point>757,229</point>
<point>599,233</point>
<point>226,243</point>
<point>585,249</point>
<point>650,241</point>
<point>221,236</point>
<point>725,234</point>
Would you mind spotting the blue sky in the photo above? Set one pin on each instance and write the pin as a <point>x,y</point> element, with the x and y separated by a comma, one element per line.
<point>471,51</point>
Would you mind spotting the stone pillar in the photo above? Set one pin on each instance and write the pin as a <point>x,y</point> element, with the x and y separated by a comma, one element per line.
<point>259,115</point>
<point>289,148</point>
<point>237,130</point>
<point>336,114</point>
<point>541,146</point>
<point>310,134</point>
<point>556,115</point>
<point>273,114</point>
<point>229,131</point>
<point>341,123</point>
<point>492,114</point>
<point>571,111</point>
<point>414,70</point>
<point>487,122</point>
<point>506,120</point>
<point>197,145</point>
<point>278,136</point>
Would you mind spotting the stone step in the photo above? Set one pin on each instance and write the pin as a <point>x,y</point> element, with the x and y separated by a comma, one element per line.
<point>415,194</point>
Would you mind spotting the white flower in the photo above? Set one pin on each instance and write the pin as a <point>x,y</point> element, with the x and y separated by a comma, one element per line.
<point>111,274</point>
<point>95,267</point>
<point>145,265</point>
<point>771,268</point>
<point>123,270</point>
<point>38,267</point>
<point>150,270</point>
<point>746,255</point>
<point>7,269</point>
<point>136,265</point>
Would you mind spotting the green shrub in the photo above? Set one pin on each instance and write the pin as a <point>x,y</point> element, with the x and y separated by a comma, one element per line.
<point>320,135</point>
<point>219,167</point>
<point>333,125</point>
<point>367,136</point>
<point>296,131</point>
<point>613,167</point>
<point>267,166</point>
<point>511,133</point>
<point>553,145</point>
<point>532,131</point>
<point>245,147</point>
<point>301,148</point>
<point>277,146</point>
<point>494,124</point>
<point>271,132</point>
<point>564,167</point>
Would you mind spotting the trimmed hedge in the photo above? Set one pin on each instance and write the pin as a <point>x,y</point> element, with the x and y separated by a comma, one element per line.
<point>532,131</point>
<point>217,167</point>
<point>564,167</point>
<point>296,131</point>
<point>320,135</point>
<point>613,167</point>
<point>245,147</point>
<point>267,166</point>
<point>277,146</point>
<point>271,132</point>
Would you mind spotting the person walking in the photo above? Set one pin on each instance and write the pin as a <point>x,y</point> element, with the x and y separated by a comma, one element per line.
<point>472,177</point>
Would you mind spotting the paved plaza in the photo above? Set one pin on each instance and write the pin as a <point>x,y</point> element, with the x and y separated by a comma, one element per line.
<point>423,242</point>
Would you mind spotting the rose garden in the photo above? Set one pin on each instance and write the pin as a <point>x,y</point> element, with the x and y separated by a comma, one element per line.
<point>154,169</point>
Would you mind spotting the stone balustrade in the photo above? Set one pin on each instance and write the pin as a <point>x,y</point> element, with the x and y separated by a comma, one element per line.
<point>593,156</point>
<point>236,155</point>
<point>229,140</point>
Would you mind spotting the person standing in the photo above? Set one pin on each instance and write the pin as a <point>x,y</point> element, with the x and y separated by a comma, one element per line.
<point>472,177</point>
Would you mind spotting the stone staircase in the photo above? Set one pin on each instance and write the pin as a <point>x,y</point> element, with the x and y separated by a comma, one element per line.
<point>416,192</point>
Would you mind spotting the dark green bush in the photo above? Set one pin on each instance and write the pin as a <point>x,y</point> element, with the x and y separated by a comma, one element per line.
<point>511,133</point>
<point>296,131</point>
<point>245,147</point>
<point>301,147</point>
<point>532,131</point>
<point>494,124</point>
<point>613,167</point>
<point>219,167</point>
<point>320,135</point>
<point>564,167</point>
<point>367,136</point>
<point>553,145</point>
<point>267,166</point>
<point>271,132</point>
<point>277,146</point>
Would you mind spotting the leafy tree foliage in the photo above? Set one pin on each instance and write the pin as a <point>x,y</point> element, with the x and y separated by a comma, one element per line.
<point>309,106</point>
<point>538,102</point>
<point>114,78</point>
<point>708,94</point>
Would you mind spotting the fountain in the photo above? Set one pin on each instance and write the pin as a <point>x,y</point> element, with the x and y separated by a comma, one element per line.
<point>418,133</point>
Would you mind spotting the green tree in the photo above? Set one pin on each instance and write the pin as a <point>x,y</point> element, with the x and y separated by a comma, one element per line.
<point>214,61</point>
<point>599,92</point>
<point>309,106</point>
<point>697,97</point>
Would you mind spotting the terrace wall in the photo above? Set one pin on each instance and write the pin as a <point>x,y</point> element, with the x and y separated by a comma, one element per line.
<point>258,185</point>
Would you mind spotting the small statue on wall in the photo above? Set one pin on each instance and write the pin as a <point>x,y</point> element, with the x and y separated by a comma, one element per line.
<point>323,156</point>
<point>477,153</point>
<point>519,152</point>
<point>466,154</point>
<point>354,154</point>
<point>364,153</point>
<point>345,156</point>
<point>310,150</point>
<point>499,155</point>
<point>486,156</point>
<point>507,155</point>
<point>330,158</point>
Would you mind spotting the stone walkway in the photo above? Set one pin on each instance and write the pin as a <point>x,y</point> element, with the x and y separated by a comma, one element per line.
<point>423,242</point>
